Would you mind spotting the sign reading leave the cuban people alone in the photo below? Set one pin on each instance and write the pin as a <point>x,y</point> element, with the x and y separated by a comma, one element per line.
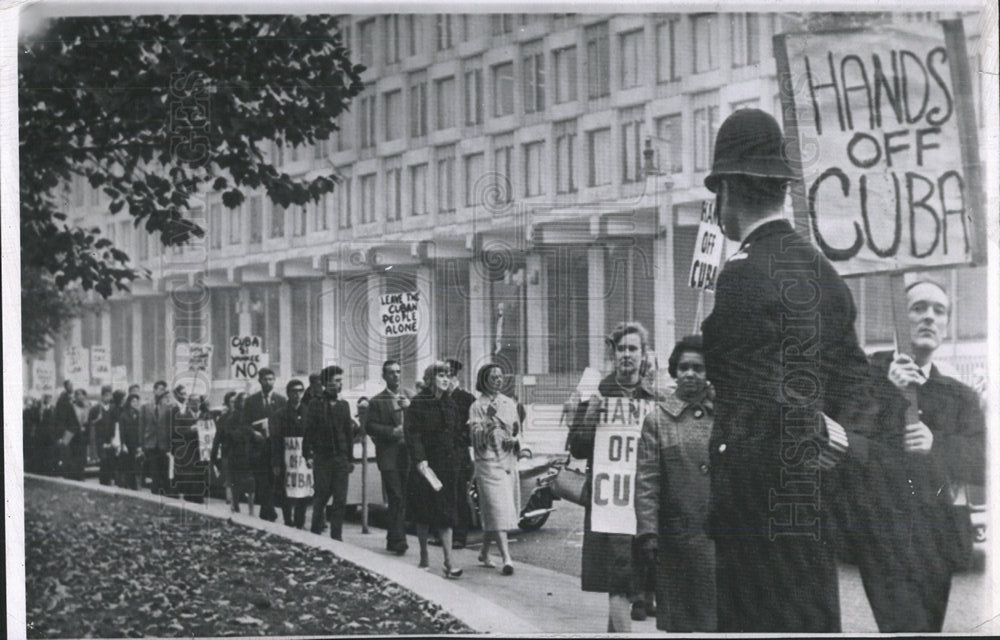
<point>616,445</point>
<point>298,475</point>
<point>708,250</point>
<point>399,313</point>
<point>877,115</point>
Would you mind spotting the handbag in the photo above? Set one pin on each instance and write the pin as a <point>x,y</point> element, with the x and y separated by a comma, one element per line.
<point>572,485</point>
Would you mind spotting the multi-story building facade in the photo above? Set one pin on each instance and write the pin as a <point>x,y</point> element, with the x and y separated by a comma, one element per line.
<point>494,163</point>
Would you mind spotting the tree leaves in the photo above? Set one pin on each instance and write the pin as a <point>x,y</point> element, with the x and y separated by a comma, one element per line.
<point>111,566</point>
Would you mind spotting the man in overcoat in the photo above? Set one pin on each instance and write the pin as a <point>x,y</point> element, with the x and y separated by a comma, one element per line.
<point>156,420</point>
<point>790,379</point>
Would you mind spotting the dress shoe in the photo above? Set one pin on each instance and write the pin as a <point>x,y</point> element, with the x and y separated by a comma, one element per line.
<point>638,611</point>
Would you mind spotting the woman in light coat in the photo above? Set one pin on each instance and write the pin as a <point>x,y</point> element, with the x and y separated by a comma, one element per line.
<point>493,428</point>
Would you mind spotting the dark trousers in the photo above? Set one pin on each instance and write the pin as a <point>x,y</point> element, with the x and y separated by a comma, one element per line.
<point>463,510</point>
<point>781,586</point>
<point>128,473</point>
<point>906,604</point>
<point>293,510</point>
<point>108,464</point>
<point>330,478</point>
<point>75,459</point>
<point>263,481</point>
<point>159,471</point>
<point>394,485</point>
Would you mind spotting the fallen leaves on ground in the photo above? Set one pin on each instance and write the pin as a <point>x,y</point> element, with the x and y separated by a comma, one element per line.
<point>111,566</point>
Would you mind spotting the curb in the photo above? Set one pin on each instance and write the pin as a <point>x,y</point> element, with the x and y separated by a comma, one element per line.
<point>477,612</point>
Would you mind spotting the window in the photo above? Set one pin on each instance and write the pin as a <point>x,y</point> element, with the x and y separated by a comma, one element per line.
<point>562,21</point>
<point>321,148</point>
<point>706,121</point>
<point>418,189</point>
<point>391,35</point>
<point>215,226</point>
<point>368,198</point>
<point>393,101</point>
<point>235,228</point>
<point>225,325</point>
<point>631,56</point>
<point>565,67</point>
<point>446,179</point>
<point>565,152</point>
<point>599,157</point>
<point>969,315</point>
<point>345,133</point>
<point>265,321</point>
<point>474,170</point>
<point>632,145</point>
<point>503,152</point>
<point>502,23</point>
<point>474,97</point>
<point>366,36</point>
<point>415,34</point>
<point>256,224</point>
<point>321,213</point>
<point>443,31</point>
<point>295,153</point>
<point>752,103</point>
<point>367,116</point>
<point>344,30</point>
<point>300,220</point>
<point>670,132</point>
<point>503,89</point>
<point>444,93</point>
<point>598,61</point>
<point>143,248</point>
<point>393,188</point>
<point>533,168</point>
<point>344,202</point>
<point>277,221</point>
<point>534,82</point>
<point>418,106</point>
<point>706,42</point>
<point>307,351</point>
<point>277,153</point>
<point>90,329</point>
<point>666,52</point>
<point>744,38</point>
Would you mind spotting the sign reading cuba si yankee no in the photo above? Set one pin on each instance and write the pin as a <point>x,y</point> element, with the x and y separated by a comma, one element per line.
<point>877,117</point>
<point>400,313</point>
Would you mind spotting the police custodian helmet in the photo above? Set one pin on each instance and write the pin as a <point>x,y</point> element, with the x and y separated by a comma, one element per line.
<point>749,143</point>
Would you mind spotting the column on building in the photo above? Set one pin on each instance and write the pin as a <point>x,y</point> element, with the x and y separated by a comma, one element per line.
<point>138,336</point>
<point>452,318</point>
<point>479,316</point>
<point>427,350</point>
<point>331,321</point>
<point>595,298</point>
<point>285,334</point>
<point>537,320</point>
<point>377,342</point>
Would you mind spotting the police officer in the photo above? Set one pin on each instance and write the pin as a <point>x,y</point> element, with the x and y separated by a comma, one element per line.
<point>781,352</point>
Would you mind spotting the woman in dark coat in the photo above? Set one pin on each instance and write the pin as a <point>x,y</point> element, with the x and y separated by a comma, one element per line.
<point>130,432</point>
<point>436,440</point>
<point>672,489</point>
<point>220,448</point>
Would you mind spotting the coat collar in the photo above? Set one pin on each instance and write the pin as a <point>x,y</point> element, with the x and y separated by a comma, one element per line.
<point>674,406</point>
<point>772,226</point>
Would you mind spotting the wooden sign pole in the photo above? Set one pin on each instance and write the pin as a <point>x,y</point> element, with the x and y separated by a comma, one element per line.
<point>901,323</point>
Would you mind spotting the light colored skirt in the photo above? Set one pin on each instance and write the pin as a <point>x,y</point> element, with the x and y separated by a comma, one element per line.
<point>499,493</point>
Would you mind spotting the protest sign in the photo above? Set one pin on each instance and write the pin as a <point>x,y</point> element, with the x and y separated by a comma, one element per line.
<point>206,433</point>
<point>298,475</point>
<point>43,376</point>
<point>708,250</point>
<point>888,159</point>
<point>399,313</point>
<point>76,365</point>
<point>100,364</point>
<point>616,444</point>
<point>192,357</point>
<point>246,357</point>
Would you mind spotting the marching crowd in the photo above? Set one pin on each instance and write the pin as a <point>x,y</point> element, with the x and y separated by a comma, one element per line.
<point>780,446</point>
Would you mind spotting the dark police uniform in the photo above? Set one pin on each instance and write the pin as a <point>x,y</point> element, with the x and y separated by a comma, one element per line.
<point>780,347</point>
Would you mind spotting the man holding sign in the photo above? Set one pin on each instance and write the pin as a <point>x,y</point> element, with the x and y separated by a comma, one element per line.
<point>606,432</point>
<point>289,465</point>
<point>781,352</point>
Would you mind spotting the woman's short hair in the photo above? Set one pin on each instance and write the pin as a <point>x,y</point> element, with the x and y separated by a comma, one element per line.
<point>482,374</point>
<point>230,395</point>
<point>434,368</point>
<point>131,397</point>
<point>687,344</point>
<point>625,328</point>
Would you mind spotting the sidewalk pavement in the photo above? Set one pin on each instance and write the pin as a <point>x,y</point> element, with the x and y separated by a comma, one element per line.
<point>534,600</point>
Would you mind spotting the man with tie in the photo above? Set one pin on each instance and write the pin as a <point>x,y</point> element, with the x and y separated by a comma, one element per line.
<point>262,412</point>
<point>907,535</point>
<point>791,395</point>
<point>384,424</point>
<point>156,419</point>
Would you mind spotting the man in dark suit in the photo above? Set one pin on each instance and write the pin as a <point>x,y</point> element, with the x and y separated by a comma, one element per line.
<point>73,420</point>
<point>328,447</point>
<point>156,419</point>
<point>384,424</point>
<point>781,352</point>
<point>102,421</point>
<point>906,533</point>
<point>291,424</point>
<point>262,411</point>
<point>464,400</point>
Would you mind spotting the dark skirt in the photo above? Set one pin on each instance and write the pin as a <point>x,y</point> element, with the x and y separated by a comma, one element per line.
<point>436,509</point>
